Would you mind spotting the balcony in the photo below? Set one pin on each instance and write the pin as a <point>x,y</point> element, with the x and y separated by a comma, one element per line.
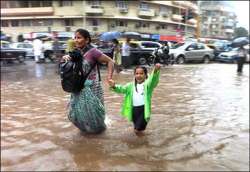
<point>148,13</point>
<point>94,10</point>
<point>7,12</point>
<point>177,17</point>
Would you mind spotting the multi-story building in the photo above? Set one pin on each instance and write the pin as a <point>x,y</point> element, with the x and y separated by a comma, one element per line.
<point>217,19</point>
<point>148,17</point>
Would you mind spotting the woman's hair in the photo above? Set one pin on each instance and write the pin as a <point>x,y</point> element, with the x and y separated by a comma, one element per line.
<point>145,72</point>
<point>84,33</point>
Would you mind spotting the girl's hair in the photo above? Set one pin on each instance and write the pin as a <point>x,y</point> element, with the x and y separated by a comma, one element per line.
<point>84,33</point>
<point>145,72</point>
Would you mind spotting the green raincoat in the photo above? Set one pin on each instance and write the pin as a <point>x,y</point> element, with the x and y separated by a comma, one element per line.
<point>149,84</point>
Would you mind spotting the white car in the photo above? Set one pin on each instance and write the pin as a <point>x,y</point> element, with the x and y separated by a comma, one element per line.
<point>191,51</point>
<point>28,47</point>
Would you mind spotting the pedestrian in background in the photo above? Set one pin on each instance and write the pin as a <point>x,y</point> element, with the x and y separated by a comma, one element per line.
<point>126,53</point>
<point>137,101</point>
<point>242,54</point>
<point>38,50</point>
<point>117,55</point>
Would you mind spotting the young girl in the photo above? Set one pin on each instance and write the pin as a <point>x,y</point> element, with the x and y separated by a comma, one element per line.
<point>137,102</point>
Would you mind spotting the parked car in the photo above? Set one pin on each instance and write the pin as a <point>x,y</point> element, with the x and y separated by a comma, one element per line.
<point>10,54</point>
<point>142,50</point>
<point>191,51</point>
<point>231,56</point>
<point>28,47</point>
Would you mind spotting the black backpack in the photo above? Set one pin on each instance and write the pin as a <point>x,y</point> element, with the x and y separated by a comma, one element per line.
<point>71,72</point>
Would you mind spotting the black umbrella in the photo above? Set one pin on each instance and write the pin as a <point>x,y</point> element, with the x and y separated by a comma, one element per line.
<point>241,41</point>
<point>131,35</point>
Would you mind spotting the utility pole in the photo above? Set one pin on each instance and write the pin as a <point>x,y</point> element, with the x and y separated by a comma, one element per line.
<point>84,14</point>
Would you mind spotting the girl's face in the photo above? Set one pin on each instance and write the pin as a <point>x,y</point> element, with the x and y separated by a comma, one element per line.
<point>80,41</point>
<point>140,75</point>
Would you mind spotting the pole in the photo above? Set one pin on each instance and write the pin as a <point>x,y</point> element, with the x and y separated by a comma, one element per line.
<point>84,15</point>
<point>185,29</point>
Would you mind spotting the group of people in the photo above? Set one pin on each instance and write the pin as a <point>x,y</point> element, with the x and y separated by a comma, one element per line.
<point>138,93</point>
<point>120,54</point>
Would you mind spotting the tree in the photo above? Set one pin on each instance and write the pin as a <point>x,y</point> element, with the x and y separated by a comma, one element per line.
<point>240,32</point>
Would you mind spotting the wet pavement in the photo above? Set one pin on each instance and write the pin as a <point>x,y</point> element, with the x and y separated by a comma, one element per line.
<point>200,121</point>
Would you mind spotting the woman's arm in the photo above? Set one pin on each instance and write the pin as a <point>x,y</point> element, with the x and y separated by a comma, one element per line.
<point>110,65</point>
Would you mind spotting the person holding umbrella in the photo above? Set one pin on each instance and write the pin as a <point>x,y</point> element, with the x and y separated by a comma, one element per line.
<point>241,58</point>
<point>242,54</point>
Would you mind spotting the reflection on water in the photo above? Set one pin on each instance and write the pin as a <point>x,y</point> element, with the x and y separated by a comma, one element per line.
<point>200,121</point>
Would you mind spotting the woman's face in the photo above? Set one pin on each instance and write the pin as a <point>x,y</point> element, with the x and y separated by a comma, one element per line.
<point>80,41</point>
<point>140,75</point>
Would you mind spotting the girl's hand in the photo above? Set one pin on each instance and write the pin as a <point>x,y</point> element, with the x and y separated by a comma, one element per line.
<point>111,83</point>
<point>65,58</point>
<point>157,66</point>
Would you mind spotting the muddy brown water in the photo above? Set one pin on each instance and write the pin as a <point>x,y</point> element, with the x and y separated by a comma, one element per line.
<point>200,121</point>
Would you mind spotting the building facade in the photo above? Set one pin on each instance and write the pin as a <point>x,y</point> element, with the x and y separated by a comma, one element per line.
<point>148,17</point>
<point>217,20</point>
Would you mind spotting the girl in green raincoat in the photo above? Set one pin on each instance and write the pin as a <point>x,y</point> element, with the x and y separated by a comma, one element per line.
<point>137,101</point>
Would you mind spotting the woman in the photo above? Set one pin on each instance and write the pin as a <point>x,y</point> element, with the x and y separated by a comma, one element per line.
<point>117,55</point>
<point>92,57</point>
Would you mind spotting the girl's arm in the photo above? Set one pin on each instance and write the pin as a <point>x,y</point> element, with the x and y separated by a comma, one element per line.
<point>154,77</point>
<point>117,88</point>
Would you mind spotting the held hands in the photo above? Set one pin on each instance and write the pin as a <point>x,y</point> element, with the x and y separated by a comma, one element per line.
<point>157,66</point>
<point>111,83</point>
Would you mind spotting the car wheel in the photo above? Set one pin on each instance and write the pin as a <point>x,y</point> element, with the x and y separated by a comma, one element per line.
<point>21,58</point>
<point>142,61</point>
<point>180,60</point>
<point>206,59</point>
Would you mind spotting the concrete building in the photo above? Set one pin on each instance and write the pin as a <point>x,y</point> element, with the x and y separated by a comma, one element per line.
<point>148,17</point>
<point>217,19</point>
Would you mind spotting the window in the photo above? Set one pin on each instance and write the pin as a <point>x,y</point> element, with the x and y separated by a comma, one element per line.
<point>121,4</point>
<point>121,23</point>
<point>194,46</point>
<point>200,47</point>
<point>63,3</point>
<point>14,23</point>
<point>95,22</point>
<point>68,22</point>
<point>4,4</point>
<point>4,23</point>
<point>25,23</point>
<point>48,22</point>
<point>46,3</point>
<point>94,3</point>
<point>149,45</point>
<point>13,4</point>
<point>24,4</point>
<point>37,23</point>
<point>144,6</point>
<point>35,3</point>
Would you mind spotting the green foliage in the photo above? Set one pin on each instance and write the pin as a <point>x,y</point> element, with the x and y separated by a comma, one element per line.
<point>240,32</point>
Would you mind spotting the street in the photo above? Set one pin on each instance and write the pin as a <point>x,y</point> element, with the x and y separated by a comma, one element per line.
<point>200,121</point>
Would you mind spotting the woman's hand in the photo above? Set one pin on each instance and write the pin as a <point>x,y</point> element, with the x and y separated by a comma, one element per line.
<point>111,83</point>
<point>65,58</point>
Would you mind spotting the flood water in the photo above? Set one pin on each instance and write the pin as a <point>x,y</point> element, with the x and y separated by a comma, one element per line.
<point>200,121</point>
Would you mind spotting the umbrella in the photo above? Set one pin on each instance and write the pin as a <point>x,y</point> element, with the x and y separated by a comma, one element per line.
<point>241,41</point>
<point>108,36</point>
<point>132,35</point>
